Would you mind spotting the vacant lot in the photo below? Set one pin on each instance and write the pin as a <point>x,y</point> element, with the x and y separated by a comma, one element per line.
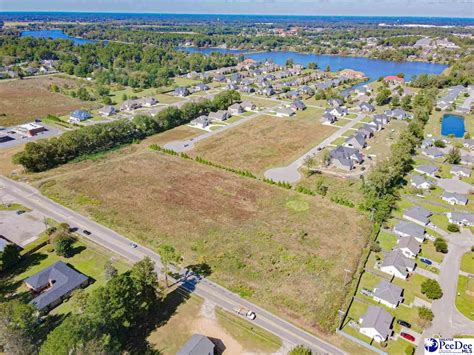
<point>284,250</point>
<point>24,100</point>
<point>265,141</point>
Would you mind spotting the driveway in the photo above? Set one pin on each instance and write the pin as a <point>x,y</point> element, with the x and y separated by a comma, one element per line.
<point>21,229</point>
<point>290,173</point>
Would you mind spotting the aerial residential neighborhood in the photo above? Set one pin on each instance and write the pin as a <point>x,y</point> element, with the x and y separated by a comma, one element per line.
<point>209,178</point>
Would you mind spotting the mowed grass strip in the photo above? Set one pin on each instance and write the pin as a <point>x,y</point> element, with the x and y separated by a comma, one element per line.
<point>289,260</point>
<point>265,141</point>
<point>24,100</point>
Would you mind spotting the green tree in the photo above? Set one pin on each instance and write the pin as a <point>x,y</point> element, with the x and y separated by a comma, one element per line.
<point>18,327</point>
<point>168,255</point>
<point>110,271</point>
<point>300,350</point>
<point>441,245</point>
<point>383,97</point>
<point>312,65</point>
<point>425,313</point>
<point>290,62</point>
<point>453,156</point>
<point>406,103</point>
<point>9,256</point>
<point>63,243</point>
<point>309,163</point>
<point>79,298</point>
<point>409,350</point>
<point>431,289</point>
<point>146,282</point>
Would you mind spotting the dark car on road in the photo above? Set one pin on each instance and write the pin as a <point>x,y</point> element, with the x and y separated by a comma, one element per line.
<point>404,323</point>
<point>426,261</point>
<point>19,212</point>
<point>86,232</point>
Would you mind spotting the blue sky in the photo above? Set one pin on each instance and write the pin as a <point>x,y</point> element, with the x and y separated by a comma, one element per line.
<point>442,8</point>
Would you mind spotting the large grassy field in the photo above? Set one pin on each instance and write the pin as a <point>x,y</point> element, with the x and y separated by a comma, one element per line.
<point>24,100</point>
<point>286,251</point>
<point>265,141</point>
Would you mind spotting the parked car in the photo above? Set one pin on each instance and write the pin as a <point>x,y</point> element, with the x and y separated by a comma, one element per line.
<point>407,336</point>
<point>245,312</point>
<point>86,232</point>
<point>404,323</point>
<point>19,212</point>
<point>133,245</point>
<point>366,292</point>
<point>426,261</point>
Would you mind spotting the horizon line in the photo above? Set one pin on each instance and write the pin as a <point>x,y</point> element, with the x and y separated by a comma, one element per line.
<point>225,14</point>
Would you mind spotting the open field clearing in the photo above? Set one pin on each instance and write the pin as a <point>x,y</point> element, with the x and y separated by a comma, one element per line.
<point>285,251</point>
<point>24,100</point>
<point>265,142</point>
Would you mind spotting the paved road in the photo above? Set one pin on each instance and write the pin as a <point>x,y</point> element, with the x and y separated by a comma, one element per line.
<point>290,173</point>
<point>448,320</point>
<point>204,288</point>
<point>188,144</point>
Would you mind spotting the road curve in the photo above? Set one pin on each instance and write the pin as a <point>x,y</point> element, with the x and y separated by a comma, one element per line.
<point>289,333</point>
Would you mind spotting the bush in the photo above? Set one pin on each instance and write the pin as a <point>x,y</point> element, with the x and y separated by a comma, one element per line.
<point>453,228</point>
<point>441,245</point>
<point>425,313</point>
<point>431,289</point>
<point>410,350</point>
<point>300,350</point>
<point>375,247</point>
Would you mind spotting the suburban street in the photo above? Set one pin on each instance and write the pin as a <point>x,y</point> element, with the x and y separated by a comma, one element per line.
<point>290,173</point>
<point>210,291</point>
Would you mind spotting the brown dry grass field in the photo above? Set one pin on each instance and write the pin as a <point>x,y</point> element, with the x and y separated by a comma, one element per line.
<point>24,100</point>
<point>285,251</point>
<point>265,141</point>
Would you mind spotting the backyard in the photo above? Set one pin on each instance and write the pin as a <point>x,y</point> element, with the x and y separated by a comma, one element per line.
<point>255,237</point>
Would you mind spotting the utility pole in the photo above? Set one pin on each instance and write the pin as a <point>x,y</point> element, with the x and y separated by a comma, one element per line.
<point>346,272</point>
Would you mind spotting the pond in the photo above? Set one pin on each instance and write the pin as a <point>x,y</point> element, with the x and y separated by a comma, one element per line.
<point>452,125</point>
<point>373,68</point>
<point>54,34</point>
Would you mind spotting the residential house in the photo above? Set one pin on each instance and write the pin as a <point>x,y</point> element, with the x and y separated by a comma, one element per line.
<point>410,229</point>
<point>432,152</point>
<point>197,345</point>
<point>338,111</point>
<point>53,284</point>
<point>366,107</point>
<point>418,215</point>
<point>356,141</point>
<point>469,143</point>
<point>382,117</point>
<point>79,116</point>
<point>306,90</point>
<point>467,159</point>
<point>398,114</point>
<point>345,158</point>
<point>328,118</point>
<point>107,111</point>
<point>220,115</point>
<point>130,105</point>
<point>232,86</point>
<point>461,218</point>
<point>366,133</point>
<point>181,92</point>
<point>148,101</point>
<point>460,171</point>
<point>419,182</point>
<point>293,95</point>
<point>427,143</point>
<point>394,80</point>
<point>408,246</point>
<point>397,264</point>
<point>376,323</point>
<point>201,87</point>
<point>202,121</point>
<point>429,170</point>
<point>235,109</point>
<point>335,102</point>
<point>388,294</point>
<point>298,105</point>
<point>248,106</point>
<point>220,78</point>
<point>454,198</point>
<point>284,112</point>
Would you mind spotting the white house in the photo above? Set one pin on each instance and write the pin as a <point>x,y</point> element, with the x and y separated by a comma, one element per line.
<point>388,294</point>
<point>376,323</point>
<point>409,246</point>
<point>397,264</point>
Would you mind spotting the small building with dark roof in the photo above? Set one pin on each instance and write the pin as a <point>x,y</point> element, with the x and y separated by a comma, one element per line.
<point>198,344</point>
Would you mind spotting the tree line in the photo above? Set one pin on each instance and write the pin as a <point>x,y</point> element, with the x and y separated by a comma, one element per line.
<point>49,153</point>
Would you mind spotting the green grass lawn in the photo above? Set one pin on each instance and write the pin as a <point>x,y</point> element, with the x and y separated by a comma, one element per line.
<point>412,287</point>
<point>465,296</point>
<point>88,259</point>
<point>440,221</point>
<point>386,240</point>
<point>428,250</point>
<point>13,207</point>
<point>339,141</point>
<point>467,262</point>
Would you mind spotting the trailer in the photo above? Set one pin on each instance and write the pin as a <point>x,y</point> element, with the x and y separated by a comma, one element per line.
<point>245,312</point>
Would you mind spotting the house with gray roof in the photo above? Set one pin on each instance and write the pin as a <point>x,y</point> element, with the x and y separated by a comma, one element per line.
<point>197,345</point>
<point>148,101</point>
<point>382,117</point>
<point>429,170</point>
<point>339,111</point>
<point>107,111</point>
<point>201,122</point>
<point>397,264</point>
<point>467,159</point>
<point>298,105</point>
<point>460,171</point>
<point>469,143</point>
<point>335,102</point>
<point>418,215</point>
<point>130,105</point>
<point>53,284</point>
<point>345,158</point>
<point>427,142</point>
<point>328,118</point>
<point>398,114</point>
<point>366,107</point>
<point>410,229</point>
<point>419,182</point>
<point>461,218</point>
<point>432,152</point>
<point>454,198</point>
<point>388,294</point>
<point>376,323</point>
<point>220,115</point>
<point>201,87</point>
<point>235,109</point>
<point>284,112</point>
<point>356,141</point>
<point>366,133</point>
<point>408,246</point>
<point>181,92</point>
<point>248,106</point>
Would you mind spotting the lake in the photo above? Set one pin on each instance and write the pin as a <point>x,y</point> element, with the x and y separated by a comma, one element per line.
<point>373,68</point>
<point>54,34</point>
<point>452,124</point>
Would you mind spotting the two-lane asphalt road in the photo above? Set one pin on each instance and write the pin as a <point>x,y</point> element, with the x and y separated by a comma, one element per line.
<point>290,334</point>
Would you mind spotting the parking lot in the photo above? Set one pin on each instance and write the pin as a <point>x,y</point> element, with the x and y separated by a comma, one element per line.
<point>21,229</point>
<point>21,139</point>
